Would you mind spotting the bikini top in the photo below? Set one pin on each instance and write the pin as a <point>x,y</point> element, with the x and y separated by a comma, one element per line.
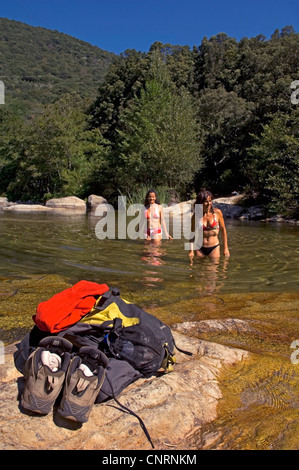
<point>213,226</point>
<point>152,213</point>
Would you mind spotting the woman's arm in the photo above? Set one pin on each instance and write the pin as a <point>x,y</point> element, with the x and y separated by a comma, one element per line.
<point>223,233</point>
<point>192,236</point>
<point>163,224</point>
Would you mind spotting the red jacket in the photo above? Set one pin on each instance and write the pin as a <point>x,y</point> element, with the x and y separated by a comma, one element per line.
<point>68,307</point>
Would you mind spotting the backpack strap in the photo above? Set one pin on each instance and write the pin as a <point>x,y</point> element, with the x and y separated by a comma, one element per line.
<point>113,333</point>
<point>188,353</point>
<point>105,297</point>
<point>128,410</point>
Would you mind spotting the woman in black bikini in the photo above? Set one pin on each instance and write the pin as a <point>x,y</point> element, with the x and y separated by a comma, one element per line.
<point>211,223</point>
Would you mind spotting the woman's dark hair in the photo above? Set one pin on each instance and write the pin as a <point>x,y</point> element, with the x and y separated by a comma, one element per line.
<point>202,196</point>
<point>146,197</point>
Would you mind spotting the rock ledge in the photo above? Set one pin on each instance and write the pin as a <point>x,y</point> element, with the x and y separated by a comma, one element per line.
<point>173,407</point>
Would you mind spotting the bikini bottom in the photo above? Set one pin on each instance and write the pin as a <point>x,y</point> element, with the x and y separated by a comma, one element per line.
<point>206,250</point>
<point>152,232</point>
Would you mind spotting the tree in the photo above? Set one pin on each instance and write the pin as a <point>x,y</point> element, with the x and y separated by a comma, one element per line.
<point>13,138</point>
<point>158,141</point>
<point>225,120</point>
<point>179,61</point>
<point>59,156</point>
<point>215,63</point>
<point>274,168</point>
<point>124,80</point>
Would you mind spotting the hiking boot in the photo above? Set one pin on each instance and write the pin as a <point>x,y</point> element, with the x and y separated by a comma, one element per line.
<point>44,374</point>
<point>83,382</point>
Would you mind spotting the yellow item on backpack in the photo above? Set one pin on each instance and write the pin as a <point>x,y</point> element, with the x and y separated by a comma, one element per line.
<point>109,313</point>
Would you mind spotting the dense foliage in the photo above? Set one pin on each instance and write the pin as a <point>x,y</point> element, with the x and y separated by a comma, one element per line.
<point>38,65</point>
<point>219,115</point>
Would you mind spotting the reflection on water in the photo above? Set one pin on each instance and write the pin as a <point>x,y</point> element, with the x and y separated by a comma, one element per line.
<point>210,274</point>
<point>153,256</point>
<point>264,257</point>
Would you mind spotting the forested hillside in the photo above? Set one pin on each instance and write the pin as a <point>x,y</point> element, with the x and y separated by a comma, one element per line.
<point>38,65</point>
<point>217,115</point>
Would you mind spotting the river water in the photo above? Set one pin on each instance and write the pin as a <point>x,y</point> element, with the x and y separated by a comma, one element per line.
<point>258,285</point>
<point>264,257</point>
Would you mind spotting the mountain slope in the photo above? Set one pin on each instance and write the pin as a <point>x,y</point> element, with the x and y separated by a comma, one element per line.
<point>37,65</point>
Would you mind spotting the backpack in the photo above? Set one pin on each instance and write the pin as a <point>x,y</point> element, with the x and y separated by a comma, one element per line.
<point>124,331</point>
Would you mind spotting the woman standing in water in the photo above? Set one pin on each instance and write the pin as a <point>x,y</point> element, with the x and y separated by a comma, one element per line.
<point>155,222</point>
<point>211,223</point>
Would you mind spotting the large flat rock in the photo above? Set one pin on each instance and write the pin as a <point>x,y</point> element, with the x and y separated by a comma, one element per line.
<point>173,406</point>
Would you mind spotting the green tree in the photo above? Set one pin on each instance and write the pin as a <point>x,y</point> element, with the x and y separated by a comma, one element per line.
<point>159,141</point>
<point>274,167</point>
<point>267,69</point>
<point>215,63</point>
<point>60,156</point>
<point>124,80</point>
<point>179,61</point>
<point>13,137</point>
<point>225,119</point>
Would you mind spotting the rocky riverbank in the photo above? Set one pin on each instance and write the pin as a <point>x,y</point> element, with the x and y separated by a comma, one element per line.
<point>64,205</point>
<point>231,207</point>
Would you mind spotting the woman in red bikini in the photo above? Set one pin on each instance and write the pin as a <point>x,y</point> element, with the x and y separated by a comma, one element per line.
<point>211,223</point>
<point>154,218</point>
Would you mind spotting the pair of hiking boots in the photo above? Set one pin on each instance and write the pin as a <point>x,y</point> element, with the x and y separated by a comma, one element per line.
<point>52,367</point>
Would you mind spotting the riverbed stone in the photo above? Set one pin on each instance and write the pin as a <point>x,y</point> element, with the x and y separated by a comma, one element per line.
<point>229,206</point>
<point>69,203</point>
<point>173,406</point>
<point>26,208</point>
<point>254,213</point>
<point>94,201</point>
<point>3,201</point>
<point>230,325</point>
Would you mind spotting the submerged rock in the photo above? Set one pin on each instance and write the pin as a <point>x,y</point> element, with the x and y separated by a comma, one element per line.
<point>208,326</point>
<point>27,208</point>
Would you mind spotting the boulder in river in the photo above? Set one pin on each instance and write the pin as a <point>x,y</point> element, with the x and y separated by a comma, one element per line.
<point>72,203</point>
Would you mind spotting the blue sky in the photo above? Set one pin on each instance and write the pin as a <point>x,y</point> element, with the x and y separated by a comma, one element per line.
<point>117,25</point>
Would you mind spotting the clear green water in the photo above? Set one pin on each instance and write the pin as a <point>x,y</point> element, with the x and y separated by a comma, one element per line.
<point>264,257</point>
